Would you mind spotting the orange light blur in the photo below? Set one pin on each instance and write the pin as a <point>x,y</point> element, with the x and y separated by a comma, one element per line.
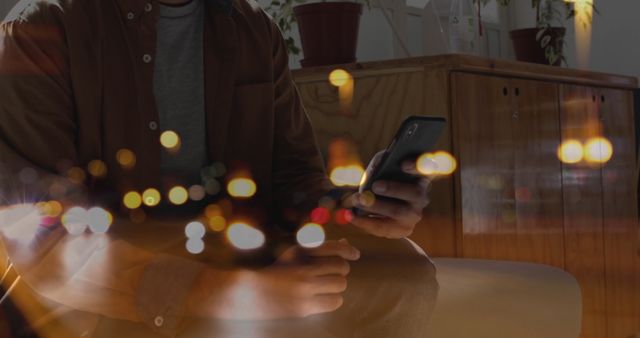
<point>132,200</point>
<point>350,175</point>
<point>310,235</point>
<point>151,197</point>
<point>97,168</point>
<point>126,158</point>
<point>76,175</point>
<point>598,150</point>
<point>178,195</point>
<point>244,237</point>
<point>241,187</point>
<point>570,152</point>
<point>217,223</point>
<point>583,28</point>
<point>50,209</point>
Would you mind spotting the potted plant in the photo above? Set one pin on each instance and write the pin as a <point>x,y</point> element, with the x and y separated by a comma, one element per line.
<point>545,43</point>
<point>328,30</point>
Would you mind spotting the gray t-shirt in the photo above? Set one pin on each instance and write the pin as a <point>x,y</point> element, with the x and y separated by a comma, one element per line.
<point>179,88</point>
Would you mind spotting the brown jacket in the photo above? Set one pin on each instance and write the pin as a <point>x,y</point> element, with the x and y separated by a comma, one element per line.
<point>76,85</point>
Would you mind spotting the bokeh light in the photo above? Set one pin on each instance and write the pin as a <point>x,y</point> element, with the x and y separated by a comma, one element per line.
<point>570,151</point>
<point>126,158</point>
<point>49,209</point>
<point>320,215</point>
<point>132,200</point>
<point>195,230</point>
<point>76,175</point>
<point>339,77</point>
<point>367,199</point>
<point>311,235</point>
<point>241,187</point>
<point>97,168</point>
<point>196,193</point>
<point>245,237</point>
<point>350,175</point>
<point>170,140</point>
<point>598,150</point>
<point>343,216</point>
<point>213,210</point>
<point>438,163</point>
<point>75,220</point>
<point>178,195</point>
<point>151,197</point>
<point>217,223</point>
<point>99,220</point>
<point>195,246</point>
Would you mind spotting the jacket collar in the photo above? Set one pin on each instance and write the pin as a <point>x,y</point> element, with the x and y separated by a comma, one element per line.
<point>138,7</point>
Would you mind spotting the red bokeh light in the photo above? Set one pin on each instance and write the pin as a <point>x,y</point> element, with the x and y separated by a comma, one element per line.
<point>320,215</point>
<point>343,216</point>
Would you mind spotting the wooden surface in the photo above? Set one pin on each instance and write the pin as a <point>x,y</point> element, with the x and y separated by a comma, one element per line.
<point>582,190</point>
<point>473,64</point>
<point>511,197</point>
<point>620,214</point>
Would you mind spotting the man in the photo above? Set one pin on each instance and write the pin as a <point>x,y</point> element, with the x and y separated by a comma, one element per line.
<point>95,84</point>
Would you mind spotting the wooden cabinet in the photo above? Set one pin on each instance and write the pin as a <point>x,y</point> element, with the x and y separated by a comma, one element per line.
<point>529,186</point>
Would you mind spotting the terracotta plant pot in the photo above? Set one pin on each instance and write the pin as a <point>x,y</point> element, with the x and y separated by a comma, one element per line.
<point>528,49</point>
<point>328,32</point>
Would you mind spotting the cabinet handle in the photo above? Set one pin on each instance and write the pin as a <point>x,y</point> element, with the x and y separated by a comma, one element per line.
<point>602,99</point>
<point>593,97</point>
<point>505,91</point>
<point>517,91</point>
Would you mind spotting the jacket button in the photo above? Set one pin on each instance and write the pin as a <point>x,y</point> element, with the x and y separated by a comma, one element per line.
<point>146,58</point>
<point>158,321</point>
<point>148,7</point>
<point>153,125</point>
<point>131,16</point>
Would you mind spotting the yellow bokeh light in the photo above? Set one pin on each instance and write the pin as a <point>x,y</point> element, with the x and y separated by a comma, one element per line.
<point>339,77</point>
<point>151,197</point>
<point>245,237</point>
<point>178,195</point>
<point>170,140</point>
<point>241,187</point>
<point>50,209</point>
<point>132,200</point>
<point>351,175</point>
<point>217,223</point>
<point>570,151</point>
<point>213,210</point>
<point>438,163</point>
<point>97,168</point>
<point>126,158</point>
<point>446,163</point>
<point>311,235</point>
<point>598,150</point>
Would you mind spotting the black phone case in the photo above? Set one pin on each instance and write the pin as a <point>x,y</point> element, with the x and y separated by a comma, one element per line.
<point>416,136</point>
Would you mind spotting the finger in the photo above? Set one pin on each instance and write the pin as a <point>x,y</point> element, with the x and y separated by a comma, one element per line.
<point>340,248</point>
<point>329,285</point>
<point>323,304</point>
<point>412,193</point>
<point>398,211</point>
<point>381,227</point>
<point>329,266</point>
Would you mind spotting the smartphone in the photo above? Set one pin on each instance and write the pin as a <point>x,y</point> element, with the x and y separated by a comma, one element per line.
<point>416,136</point>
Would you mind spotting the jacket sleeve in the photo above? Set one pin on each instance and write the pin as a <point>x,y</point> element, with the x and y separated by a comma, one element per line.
<point>37,122</point>
<point>299,178</point>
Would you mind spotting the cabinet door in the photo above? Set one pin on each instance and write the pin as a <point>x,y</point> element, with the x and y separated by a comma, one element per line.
<point>538,181</point>
<point>583,216</point>
<point>483,139</point>
<point>620,214</point>
<point>510,179</point>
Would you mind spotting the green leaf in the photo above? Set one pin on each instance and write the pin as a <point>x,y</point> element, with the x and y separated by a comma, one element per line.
<point>540,33</point>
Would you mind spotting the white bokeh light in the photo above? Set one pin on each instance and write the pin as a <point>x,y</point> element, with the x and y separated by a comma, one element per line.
<point>244,236</point>
<point>99,220</point>
<point>311,235</point>
<point>195,245</point>
<point>75,220</point>
<point>195,230</point>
